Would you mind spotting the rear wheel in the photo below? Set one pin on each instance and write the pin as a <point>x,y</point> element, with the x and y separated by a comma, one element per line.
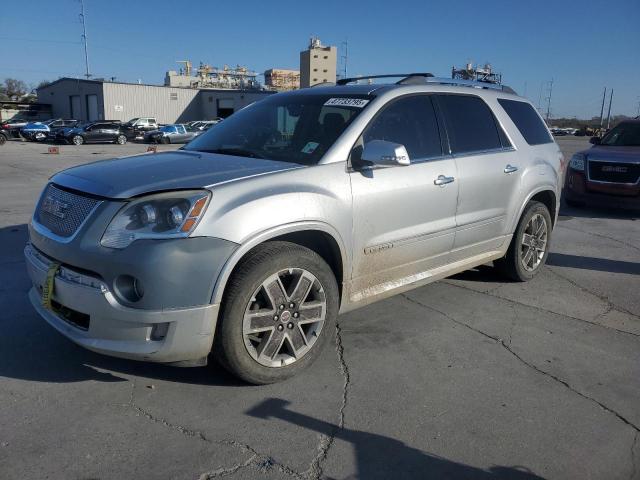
<point>3,139</point>
<point>529,246</point>
<point>278,312</point>
<point>77,140</point>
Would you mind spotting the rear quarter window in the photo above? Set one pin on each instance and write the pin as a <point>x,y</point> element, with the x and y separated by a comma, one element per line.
<point>527,121</point>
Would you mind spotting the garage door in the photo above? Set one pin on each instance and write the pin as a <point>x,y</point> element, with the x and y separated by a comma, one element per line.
<point>76,108</point>
<point>225,107</point>
<point>92,107</point>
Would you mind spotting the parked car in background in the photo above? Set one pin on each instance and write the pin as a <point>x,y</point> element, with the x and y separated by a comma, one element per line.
<point>38,131</point>
<point>607,174</point>
<point>250,240</point>
<point>94,132</point>
<point>138,126</point>
<point>54,130</point>
<point>12,127</point>
<point>175,133</point>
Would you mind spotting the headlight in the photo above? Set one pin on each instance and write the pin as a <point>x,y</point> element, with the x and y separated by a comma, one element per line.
<point>165,215</point>
<point>577,162</point>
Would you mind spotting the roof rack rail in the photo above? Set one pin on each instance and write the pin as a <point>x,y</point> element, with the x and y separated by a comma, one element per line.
<point>470,83</point>
<point>422,78</point>
<point>405,76</point>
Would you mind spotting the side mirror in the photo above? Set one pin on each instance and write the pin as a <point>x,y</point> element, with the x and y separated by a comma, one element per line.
<point>385,154</point>
<point>595,140</point>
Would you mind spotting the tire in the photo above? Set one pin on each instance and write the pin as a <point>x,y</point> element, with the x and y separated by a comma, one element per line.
<point>121,140</point>
<point>77,140</point>
<point>39,137</point>
<point>246,300</point>
<point>3,139</point>
<point>165,140</point>
<point>514,264</point>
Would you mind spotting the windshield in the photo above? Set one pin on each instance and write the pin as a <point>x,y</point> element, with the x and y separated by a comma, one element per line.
<point>623,135</point>
<point>294,128</point>
<point>168,128</point>
<point>132,121</point>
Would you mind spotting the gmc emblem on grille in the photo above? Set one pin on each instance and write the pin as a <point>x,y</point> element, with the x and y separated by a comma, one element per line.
<point>610,168</point>
<point>54,207</point>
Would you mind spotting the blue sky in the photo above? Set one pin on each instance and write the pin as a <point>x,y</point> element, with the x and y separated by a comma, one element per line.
<point>583,45</point>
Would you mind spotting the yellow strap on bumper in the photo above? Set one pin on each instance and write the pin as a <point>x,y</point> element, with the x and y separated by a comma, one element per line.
<point>47,289</point>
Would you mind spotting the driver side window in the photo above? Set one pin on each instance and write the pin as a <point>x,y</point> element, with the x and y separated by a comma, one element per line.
<point>410,121</point>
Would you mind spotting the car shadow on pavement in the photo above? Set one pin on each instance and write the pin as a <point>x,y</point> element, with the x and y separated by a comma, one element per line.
<point>593,263</point>
<point>481,273</point>
<point>32,350</point>
<point>378,456</point>
<point>568,212</point>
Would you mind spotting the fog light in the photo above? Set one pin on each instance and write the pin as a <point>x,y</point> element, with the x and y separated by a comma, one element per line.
<point>129,288</point>
<point>159,331</point>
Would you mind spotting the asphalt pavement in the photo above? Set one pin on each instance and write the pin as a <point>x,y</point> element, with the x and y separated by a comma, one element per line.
<point>470,377</point>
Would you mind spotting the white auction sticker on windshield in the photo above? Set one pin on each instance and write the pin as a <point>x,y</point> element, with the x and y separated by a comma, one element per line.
<point>347,102</point>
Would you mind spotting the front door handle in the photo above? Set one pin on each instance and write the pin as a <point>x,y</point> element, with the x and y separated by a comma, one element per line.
<point>510,169</point>
<point>443,180</point>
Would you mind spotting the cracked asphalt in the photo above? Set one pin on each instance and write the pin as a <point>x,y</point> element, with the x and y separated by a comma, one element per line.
<point>470,377</point>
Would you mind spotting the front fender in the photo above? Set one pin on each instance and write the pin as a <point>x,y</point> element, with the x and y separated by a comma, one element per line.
<point>262,237</point>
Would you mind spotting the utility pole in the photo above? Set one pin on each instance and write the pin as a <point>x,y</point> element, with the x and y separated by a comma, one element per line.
<point>609,114</point>
<point>604,96</point>
<point>550,90</point>
<point>84,38</point>
<point>345,57</point>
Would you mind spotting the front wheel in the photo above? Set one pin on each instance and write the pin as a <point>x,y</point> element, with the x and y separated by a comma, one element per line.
<point>529,246</point>
<point>278,312</point>
<point>121,140</point>
<point>77,140</point>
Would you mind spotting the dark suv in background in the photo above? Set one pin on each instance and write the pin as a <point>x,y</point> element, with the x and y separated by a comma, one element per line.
<point>607,174</point>
<point>94,132</point>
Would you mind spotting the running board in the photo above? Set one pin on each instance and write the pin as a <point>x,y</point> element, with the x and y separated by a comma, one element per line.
<point>394,287</point>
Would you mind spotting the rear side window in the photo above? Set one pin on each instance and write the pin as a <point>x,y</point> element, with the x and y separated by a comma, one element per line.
<point>470,124</point>
<point>527,121</point>
<point>410,121</point>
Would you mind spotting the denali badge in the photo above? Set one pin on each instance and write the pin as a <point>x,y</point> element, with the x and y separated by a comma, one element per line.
<point>54,207</point>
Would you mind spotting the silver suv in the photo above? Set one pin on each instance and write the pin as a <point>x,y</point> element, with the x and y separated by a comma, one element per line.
<point>250,240</point>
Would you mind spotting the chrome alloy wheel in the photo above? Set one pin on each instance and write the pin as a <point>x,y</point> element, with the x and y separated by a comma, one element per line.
<point>534,243</point>
<point>284,317</point>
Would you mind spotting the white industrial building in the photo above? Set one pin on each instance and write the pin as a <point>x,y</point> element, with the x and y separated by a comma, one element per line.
<point>89,100</point>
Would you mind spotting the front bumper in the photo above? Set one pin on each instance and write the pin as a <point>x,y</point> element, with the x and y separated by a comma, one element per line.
<point>112,328</point>
<point>579,189</point>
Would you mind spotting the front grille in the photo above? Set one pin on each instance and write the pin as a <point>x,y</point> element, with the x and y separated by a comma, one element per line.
<point>63,212</point>
<point>614,172</point>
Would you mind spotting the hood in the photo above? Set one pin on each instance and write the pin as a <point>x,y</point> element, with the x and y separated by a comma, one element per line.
<point>132,176</point>
<point>616,154</point>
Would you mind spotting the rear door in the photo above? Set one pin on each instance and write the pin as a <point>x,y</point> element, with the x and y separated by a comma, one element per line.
<point>488,174</point>
<point>403,223</point>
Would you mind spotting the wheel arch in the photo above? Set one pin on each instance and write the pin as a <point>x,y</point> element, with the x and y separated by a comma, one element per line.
<point>545,195</point>
<point>317,236</point>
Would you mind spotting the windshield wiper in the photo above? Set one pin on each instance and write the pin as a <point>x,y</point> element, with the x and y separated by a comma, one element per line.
<point>238,152</point>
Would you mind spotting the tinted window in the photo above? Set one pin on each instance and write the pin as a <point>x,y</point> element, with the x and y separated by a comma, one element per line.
<point>410,121</point>
<point>626,134</point>
<point>527,120</point>
<point>470,124</point>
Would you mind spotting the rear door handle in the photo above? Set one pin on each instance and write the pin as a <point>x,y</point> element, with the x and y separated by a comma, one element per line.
<point>443,180</point>
<point>510,169</point>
